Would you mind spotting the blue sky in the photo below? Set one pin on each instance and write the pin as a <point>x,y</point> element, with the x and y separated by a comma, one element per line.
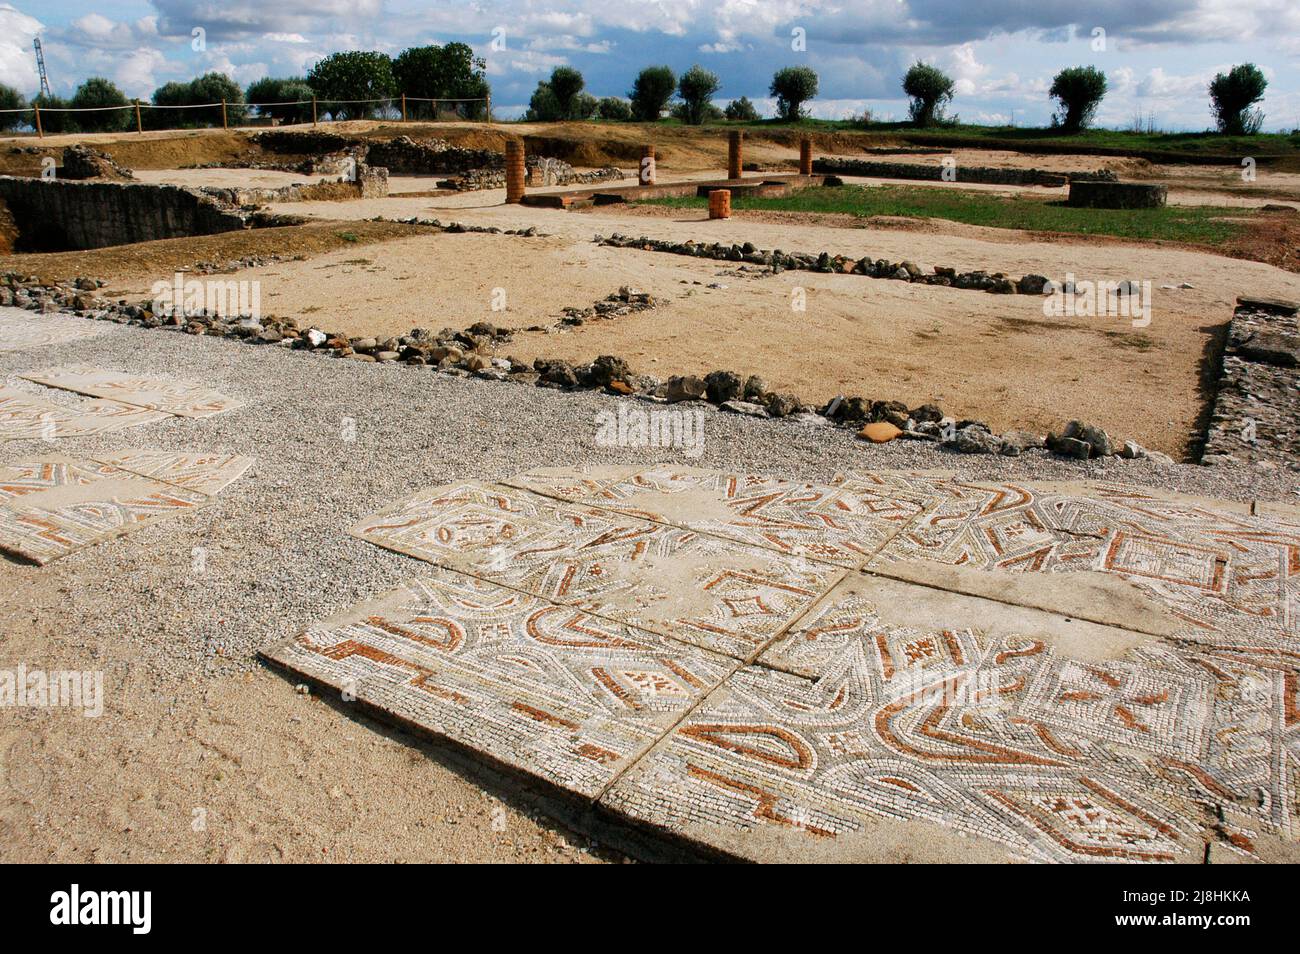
<point>1158,55</point>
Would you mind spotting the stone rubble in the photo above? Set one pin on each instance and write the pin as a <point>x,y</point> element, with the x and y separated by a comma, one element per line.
<point>777,260</point>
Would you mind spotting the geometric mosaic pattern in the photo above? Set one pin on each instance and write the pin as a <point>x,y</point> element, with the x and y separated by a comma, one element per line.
<point>885,708</point>
<point>713,593</point>
<point>533,684</point>
<point>56,504</point>
<point>156,393</point>
<point>20,330</point>
<point>27,416</point>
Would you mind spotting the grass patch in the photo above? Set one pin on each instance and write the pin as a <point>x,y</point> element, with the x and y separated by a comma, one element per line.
<point>1195,224</point>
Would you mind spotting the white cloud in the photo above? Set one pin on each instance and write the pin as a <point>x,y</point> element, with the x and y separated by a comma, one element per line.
<point>17,58</point>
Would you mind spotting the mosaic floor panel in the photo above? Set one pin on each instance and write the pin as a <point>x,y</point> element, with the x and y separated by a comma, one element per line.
<point>539,686</point>
<point>843,524</point>
<point>933,704</point>
<point>55,505</point>
<point>718,594</point>
<point>26,416</point>
<point>179,398</point>
<point>20,330</point>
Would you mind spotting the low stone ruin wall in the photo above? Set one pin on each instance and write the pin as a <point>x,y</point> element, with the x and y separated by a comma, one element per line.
<point>996,283</point>
<point>1256,416</point>
<point>539,171</point>
<point>1117,195</point>
<point>60,215</point>
<point>983,175</point>
<point>367,182</point>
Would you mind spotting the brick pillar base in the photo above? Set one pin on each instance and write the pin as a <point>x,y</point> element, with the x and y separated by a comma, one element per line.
<point>720,204</point>
<point>805,157</point>
<point>647,171</point>
<point>734,154</point>
<point>515,171</point>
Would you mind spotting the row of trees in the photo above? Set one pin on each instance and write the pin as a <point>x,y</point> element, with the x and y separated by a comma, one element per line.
<point>562,96</point>
<point>1079,90</point>
<point>452,72</point>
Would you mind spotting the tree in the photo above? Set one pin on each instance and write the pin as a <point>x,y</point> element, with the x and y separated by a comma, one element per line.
<point>1079,91</point>
<point>442,72</point>
<point>55,122</point>
<point>650,93</point>
<point>696,89</point>
<point>584,106</point>
<point>269,90</point>
<point>611,107</point>
<point>98,93</point>
<point>543,107</point>
<point>213,88</point>
<point>1232,94</point>
<point>741,110</point>
<point>793,86</point>
<point>930,89</point>
<point>352,75</point>
<point>10,98</point>
<point>566,83</point>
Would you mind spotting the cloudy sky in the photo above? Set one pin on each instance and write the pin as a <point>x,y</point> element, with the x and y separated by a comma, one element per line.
<point>1159,55</point>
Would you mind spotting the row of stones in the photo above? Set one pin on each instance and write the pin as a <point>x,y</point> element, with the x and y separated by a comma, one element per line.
<point>472,352</point>
<point>777,260</point>
<point>1256,414</point>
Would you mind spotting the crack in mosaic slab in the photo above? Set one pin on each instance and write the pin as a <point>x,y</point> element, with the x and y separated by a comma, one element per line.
<point>843,524</point>
<point>25,416</point>
<point>206,473</point>
<point>539,686</point>
<point>55,505</point>
<point>179,398</point>
<point>23,331</point>
<point>1228,576</point>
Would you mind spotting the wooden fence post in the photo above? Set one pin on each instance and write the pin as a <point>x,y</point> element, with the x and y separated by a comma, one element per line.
<point>139,126</point>
<point>403,107</point>
<point>40,132</point>
<point>489,106</point>
<point>224,125</point>
<point>313,110</point>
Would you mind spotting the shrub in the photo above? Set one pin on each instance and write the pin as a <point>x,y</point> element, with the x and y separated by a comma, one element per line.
<point>612,107</point>
<point>741,109</point>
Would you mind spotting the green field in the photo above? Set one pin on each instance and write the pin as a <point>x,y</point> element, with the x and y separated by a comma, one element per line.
<point>1200,224</point>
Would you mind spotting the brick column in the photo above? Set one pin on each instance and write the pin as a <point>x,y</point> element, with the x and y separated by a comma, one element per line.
<point>515,171</point>
<point>646,173</point>
<point>720,204</point>
<point>734,154</point>
<point>805,157</point>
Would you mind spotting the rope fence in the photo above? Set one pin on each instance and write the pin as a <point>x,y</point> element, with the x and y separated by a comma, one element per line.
<point>398,105</point>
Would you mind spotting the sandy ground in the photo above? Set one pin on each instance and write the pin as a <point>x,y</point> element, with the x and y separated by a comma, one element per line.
<point>995,358</point>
